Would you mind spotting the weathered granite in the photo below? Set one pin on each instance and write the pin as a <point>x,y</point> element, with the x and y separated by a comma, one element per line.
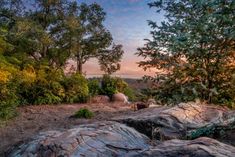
<point>184,121</point>
<point>106,139</point>
<point>166,126</point>
<point>201,147</point>
<point>98,139</point>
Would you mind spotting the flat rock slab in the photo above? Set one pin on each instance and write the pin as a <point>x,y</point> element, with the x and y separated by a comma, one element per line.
<point>184,121</point>
<point>98,139</point>
<point>201,147</point>
<point>106,139</point>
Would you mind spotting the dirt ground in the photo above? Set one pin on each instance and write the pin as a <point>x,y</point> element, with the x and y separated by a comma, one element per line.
<point>34,119</point>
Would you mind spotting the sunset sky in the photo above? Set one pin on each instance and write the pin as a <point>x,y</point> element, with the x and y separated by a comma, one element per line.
<point>127,21</point>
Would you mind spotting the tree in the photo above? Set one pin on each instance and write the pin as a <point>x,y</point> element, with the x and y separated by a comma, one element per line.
<point>110,60</point>
<point>194,50</point>
<point>51,32</point>
<point>86,35</point>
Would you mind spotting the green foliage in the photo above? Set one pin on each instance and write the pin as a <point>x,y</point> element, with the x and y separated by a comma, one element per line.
<point>112,85</point>
<point>110,60</point>
<point>108,86</point>
<point>8,109</point>
<point>120,84</point>
<point>83,113</point>
<point>8,100</point>
<point>35,45</point>
<point>192,50</point>
<point>205,131</point>
<point>130,93</point>
<point>8,88</point>
<point>40,93</point>
<point>94,87</point>
<point>146,93</point>
<point>76,88</point>
<point>88,38</point>
<point>41,87</point>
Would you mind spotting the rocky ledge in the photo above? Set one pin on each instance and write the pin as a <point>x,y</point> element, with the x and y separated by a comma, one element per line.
<point>184,121</point>
<point>107,139</point>
<point>163,132</point>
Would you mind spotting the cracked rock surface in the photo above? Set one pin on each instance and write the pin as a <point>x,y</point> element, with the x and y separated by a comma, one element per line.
<point>168,128</point>
<point>98,139</point>
<point>107,139</point>
<point>201,147</point>
<point>184,121</point>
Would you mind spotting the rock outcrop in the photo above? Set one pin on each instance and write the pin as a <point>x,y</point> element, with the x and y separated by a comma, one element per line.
<point>98,139</point>
<point>107,139</point>
<point>168,129</point>
<point>184,121</point>
<point>201,147</point>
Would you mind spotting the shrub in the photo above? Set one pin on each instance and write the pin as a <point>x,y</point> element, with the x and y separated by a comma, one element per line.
<point>83,113</point>
<point>8,95</point>
<point>44,89</point>
<point>129,92</point>
<point>94,87</point>
<point>120,84</point>
<point>38,93</point>
<point>8,109</point>
<point>76,88</point>
<point>8,100</point>
<point>108,85</point>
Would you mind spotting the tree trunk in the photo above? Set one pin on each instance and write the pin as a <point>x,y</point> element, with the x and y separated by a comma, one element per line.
<point>79,64</point>
<point>79,67</point>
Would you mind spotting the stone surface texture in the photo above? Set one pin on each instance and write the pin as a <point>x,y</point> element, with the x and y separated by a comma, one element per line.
<point>186,120</point>
<point>168,129</point>
<point>108,139</point>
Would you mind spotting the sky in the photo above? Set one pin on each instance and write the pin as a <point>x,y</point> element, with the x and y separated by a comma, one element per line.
<point>127,22</point>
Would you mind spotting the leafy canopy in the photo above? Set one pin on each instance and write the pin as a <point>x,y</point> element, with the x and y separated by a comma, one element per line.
<point>193,50</point>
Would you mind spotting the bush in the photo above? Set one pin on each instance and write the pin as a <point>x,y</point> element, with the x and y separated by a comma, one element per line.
<point>8,109</point>
<point>76,89</point>
<point>94,87</point>
<point>108,86</point>
<point>8,95</point>
<point>83,113</point>
<point>120,84</point>
<point>45,89</point>
<point>130,94</point>
<point>8,100</point>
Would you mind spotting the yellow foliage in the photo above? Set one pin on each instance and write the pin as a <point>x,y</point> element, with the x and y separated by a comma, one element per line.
<point>28,75</point>
<point>4,76</point>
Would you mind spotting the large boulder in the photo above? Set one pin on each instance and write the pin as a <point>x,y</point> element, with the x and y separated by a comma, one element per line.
<point>120,97</point>
<point>107,139</point>
<point>184,121</point>
<point>98,139</point>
